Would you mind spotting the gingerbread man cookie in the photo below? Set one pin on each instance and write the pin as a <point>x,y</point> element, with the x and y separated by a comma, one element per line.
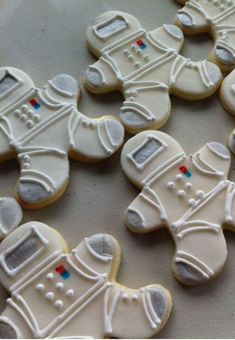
<point>191,195</point>
<point>217,17</point>
<point>56,294</point>
<point>10,215</point>
<point>146,67</point>
<point>42,126</point>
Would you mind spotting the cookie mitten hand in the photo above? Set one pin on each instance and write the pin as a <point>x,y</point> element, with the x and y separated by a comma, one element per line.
<point>43,126</point>
<point>216,18</point>
<point>190,195</point>
<point>54,294</point>
<point>146,67</point>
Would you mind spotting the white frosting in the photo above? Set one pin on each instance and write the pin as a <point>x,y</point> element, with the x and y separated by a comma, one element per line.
<point>58,295</point>
<point>147,67</point>
<point>216,17</point>
<point>190,195</point>
<point>43,125</point>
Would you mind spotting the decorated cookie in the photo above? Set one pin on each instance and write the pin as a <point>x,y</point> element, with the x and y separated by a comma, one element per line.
<point>146,67</point>
<point>42,126</point>
<point>189,194</point>
<point>10,215</point>
<point>56,294</point>
<point>216,17</point>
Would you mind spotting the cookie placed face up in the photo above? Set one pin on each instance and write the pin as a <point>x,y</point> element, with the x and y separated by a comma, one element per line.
<point>191,195</point>
<point>42,126</point>
<point>216,17</point>
<point>56,294</point>
<point>146,67</point>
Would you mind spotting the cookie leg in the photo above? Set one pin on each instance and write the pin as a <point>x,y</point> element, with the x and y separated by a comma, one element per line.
<point>200,256</point>
<point>139,313</point>
<point>224,50</point>
<point>194,80</point>
<point>94,139</point>
<point>191,19</point>
<point>44,175</point>
<point>145,213</point>
<point>147,106</point>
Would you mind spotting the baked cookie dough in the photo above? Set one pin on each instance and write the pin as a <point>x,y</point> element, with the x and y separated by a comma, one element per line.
<point>73,295</point>
<point>190,195</point>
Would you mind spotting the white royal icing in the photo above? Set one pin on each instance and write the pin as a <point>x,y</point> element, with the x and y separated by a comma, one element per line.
<point>190,195</point>
<point>145,65</point>
<point>51,291</point>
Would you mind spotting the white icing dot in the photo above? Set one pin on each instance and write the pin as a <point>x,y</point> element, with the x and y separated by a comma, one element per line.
<point>59,304</point>
<point>36,118</point>
<point>59,285</point>
<point>30,113</point>
<point>188,186</point>
<point>137,64</point>
<point>130,57</point>
<point>125,297</point>
<point>170,185</point>
<point>17,113</point>
<point>40,287</point>
<point>200,194</point>
<point>24,108</point>
<point>192,202</point>
<point>126,52</point>
<point>181,193</point>
<point>146,57</point>
<point>179,177</point>
<point>26,165</point>
<point>50,276</point>
<point>70,293</point>
<point>26,158</point>
<point>139,51</point>
<point>133,47</point>
<point>50,296</point>
<point>135,297</point>
<point>30,124</point>
<point>23,118</point>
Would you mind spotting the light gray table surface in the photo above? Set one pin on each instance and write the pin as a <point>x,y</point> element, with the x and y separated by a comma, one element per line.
<point>47,37</point>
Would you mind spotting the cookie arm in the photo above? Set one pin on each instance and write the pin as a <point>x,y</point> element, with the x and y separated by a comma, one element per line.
<point>194,80</point>
<point>146,213</point>
<point>94,139</point>
<point>101,77</point>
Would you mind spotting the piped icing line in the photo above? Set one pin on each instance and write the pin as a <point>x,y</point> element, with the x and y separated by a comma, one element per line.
<point>199,204</point>
<point>141,110</point>
<point>101,132</point>
<point>197,264</point>
<point>210,169</point>
<point>196,226</point>
<point>149,317</point>
<point>97,256</point>
<point>109,314</point>
<point>220,155</point>
<point>108,134</point>
<point>155,202</point>
<point>177,66</point>
<point>229,203</point>
<point>158,44</point>
<point>164,168</point>
<point>47,180</point>
<point>153,314</point>
<point>85,265</point>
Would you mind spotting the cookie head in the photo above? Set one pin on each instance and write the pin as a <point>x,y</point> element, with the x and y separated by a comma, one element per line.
<point>32,244</point>
<point>109,28</point>
<point>62,89</point>
<point>144,155</point>
<point>13,83</point>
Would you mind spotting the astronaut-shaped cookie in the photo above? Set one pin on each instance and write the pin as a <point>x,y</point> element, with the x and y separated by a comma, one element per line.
<point>146,67</point>
<point>217,17</point>
<point>189,194</point>
<point>57,294</point>
<point>11,215</point>
<point>42,126</point>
